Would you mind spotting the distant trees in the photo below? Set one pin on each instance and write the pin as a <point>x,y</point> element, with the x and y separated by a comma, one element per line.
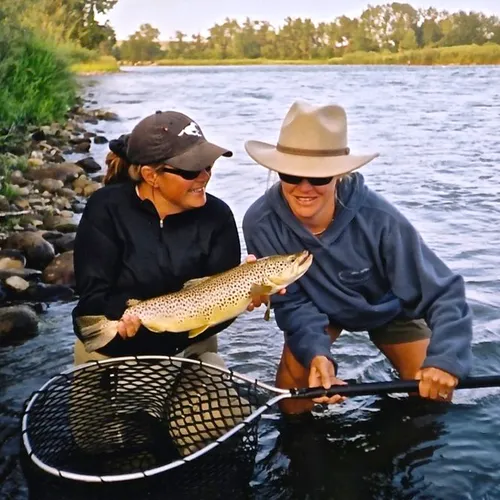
<point>387,28</point>
<point>64,21</point>
<point>143,45</point>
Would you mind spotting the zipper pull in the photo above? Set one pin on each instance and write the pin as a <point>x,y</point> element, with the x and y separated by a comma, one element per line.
<point>161,223</point>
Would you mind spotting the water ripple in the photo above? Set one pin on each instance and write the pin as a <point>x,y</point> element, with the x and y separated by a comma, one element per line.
<point>440,157</point>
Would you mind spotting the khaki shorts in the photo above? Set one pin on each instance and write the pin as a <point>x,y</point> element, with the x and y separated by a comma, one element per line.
<point>401,331</point>
<point>206,350</point>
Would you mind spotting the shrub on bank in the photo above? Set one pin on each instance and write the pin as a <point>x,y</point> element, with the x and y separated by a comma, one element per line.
<point>488,53</point>
<point>36,86</point>
<point>103,64</point>
<point>226,62</point>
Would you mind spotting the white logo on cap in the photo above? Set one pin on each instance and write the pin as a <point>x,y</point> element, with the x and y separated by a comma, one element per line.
<point>191,129</point>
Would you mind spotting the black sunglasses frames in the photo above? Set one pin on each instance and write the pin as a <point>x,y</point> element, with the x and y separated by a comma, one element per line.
<point>188,175</point>
<point>314,181</point>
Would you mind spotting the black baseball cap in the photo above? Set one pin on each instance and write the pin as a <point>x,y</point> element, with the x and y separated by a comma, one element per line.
<point>173,138</point>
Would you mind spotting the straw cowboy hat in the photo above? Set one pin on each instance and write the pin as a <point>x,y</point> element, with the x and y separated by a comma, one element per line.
<point>312,143</point>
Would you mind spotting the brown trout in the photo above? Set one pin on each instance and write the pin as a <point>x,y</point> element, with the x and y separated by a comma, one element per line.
<point>203,302</point>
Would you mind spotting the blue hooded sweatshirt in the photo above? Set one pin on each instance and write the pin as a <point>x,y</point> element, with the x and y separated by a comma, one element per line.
<point>370,266</point>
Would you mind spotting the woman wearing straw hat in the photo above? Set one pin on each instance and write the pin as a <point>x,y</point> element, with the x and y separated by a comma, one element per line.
<point>371,271</point>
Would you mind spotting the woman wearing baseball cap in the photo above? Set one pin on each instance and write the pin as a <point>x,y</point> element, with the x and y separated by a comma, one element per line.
<point>149,235</point>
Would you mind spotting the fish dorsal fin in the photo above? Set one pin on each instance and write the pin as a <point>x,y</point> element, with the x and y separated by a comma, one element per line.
<point>133,302</point>
<point>194,282</point>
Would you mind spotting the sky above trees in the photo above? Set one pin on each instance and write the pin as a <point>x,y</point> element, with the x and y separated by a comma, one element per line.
<point>197,16</point>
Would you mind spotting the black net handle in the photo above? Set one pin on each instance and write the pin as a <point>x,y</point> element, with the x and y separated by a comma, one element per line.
<point>395,386</point>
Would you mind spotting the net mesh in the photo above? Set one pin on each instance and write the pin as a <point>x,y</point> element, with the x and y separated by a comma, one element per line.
<point>134,416</point>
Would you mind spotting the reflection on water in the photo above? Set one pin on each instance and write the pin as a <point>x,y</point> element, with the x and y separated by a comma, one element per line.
<point>436,131</point>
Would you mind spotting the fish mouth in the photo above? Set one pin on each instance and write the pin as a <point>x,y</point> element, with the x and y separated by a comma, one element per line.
<point>304,257</point>
<point>303,262</point>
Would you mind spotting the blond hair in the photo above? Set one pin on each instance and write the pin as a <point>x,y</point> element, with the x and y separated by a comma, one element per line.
<point>117,169</point>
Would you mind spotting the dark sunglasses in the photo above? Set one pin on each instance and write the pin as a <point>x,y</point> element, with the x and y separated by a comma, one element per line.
<point>314,181</point>
<point>188,175</point>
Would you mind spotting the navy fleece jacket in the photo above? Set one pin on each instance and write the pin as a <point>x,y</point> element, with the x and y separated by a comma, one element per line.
<point>370,267</point>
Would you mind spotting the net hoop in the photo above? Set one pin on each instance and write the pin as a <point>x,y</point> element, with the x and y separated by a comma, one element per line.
<point>88,478</point>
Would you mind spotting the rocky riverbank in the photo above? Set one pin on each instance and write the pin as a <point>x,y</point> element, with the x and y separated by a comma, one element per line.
<point>43,195</point>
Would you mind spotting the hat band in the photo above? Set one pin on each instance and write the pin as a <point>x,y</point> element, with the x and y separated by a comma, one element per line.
<point>312,152</point>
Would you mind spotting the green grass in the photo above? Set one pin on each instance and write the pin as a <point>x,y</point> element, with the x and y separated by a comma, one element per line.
<point>488,53</point>
<point>459,55</point>
<point>105,64</point>
<point>236,62</point>
<point>36,86</point>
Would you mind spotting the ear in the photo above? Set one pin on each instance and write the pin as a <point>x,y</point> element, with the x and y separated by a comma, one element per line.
<point>149,175</point>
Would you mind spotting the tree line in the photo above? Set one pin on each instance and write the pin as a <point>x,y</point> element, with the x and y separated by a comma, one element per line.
<point>63,22</point>
<point>388,28</point>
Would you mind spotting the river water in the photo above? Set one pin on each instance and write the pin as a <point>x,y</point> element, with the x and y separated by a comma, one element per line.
<point>437,132</point>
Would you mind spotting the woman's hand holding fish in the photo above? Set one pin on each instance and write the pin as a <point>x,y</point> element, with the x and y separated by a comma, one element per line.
<point>128,326</point>
<point>263,299</point>
<point>436,384</point>
<point>322,373</point>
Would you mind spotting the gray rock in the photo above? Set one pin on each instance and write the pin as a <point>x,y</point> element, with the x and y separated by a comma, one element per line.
<point>60,271</point>
<point>38,135</point>
<point>89,165</point>
<point>35,162</point>
<point>51,185</point>
<point>65,172</point>
<point>22,203</point>
<point>16,321</point>
<point>67,193</point>
<point>79,140</point>
<point>4,204</point>
<point>83,147</point>
<point>106,115</point>
<point>65,243</point>
<point>59,223</point>
<point>17,283</point>
<point>91,188</point>
<point>39,252</point>
<point>23,191</point>
<point>17,178</point>
<point>42,292</point>
<point>12,259</point>
<point>78,208</point>
<point>52,236</point>
<point>26,273</point>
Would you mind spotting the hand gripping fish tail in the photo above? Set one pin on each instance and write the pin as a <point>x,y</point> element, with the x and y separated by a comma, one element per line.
<point>203,302</point>
<point>96,331</point>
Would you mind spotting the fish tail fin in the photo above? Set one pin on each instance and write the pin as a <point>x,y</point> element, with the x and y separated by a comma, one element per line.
<point>96,331</point>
